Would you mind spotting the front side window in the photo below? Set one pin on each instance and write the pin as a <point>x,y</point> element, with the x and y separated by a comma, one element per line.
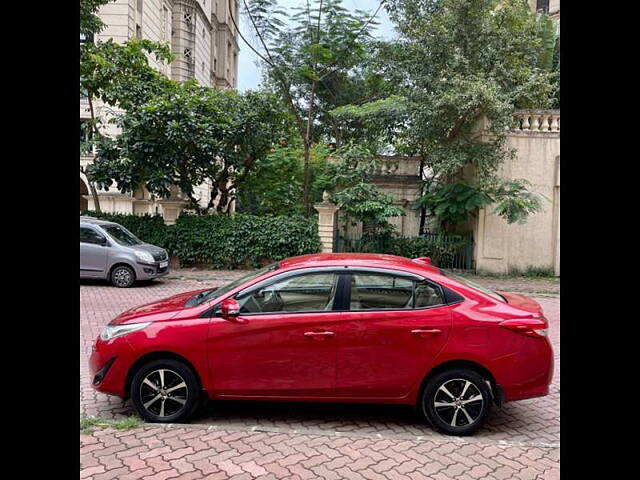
<point>88,235</point>
<point>122,235</point>
<point>311,292</point>
<point>378,291</point>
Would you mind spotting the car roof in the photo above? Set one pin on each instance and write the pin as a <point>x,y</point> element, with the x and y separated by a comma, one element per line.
<point>379,260</point>
<point>96,221</point>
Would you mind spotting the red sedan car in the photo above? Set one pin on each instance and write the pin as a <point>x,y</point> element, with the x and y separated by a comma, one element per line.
<point>331,328</point>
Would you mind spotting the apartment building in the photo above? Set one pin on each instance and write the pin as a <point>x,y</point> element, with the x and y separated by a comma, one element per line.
<point>204,41</point>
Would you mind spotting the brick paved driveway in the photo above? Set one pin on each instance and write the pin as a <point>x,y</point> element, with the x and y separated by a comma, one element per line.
<point>274,440</point>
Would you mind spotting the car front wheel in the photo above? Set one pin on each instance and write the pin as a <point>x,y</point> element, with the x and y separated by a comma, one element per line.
<point>165,391</point>
<point>457,401</point>
<point>123,276</point>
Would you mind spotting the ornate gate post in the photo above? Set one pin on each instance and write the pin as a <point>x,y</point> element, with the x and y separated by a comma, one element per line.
<point>327,222</point>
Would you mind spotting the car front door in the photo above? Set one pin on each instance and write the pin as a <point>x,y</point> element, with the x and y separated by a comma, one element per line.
<point>93,253</point>
<point>396,325</point>
<point>282,344</point>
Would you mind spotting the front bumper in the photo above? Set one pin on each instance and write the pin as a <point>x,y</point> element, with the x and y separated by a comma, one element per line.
<point>148,271</point>
<point>109,365</point>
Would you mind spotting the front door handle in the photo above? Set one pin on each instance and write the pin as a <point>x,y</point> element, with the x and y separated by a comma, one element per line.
<point>319,335</point>
<point>424,331</point>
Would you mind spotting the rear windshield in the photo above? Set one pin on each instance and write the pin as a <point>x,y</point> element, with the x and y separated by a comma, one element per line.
<point>471,284</point>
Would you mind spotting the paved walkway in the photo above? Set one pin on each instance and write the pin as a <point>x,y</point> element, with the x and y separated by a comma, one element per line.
<point>247,440</point>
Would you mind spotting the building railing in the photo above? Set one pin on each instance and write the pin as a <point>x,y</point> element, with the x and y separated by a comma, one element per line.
<point>537,121</point>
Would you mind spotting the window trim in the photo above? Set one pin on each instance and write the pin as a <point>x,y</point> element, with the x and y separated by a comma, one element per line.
<point>396,273</point>
<point>337,301</point>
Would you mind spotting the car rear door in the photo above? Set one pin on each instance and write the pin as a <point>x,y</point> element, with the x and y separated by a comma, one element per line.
<point>93,253</point>
<point>395,326</point>
<point>283,342</point>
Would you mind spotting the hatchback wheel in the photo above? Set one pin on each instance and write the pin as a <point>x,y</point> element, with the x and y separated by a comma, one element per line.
<point>165,391</point>
<point>457,402</point>
<point>123,276</point>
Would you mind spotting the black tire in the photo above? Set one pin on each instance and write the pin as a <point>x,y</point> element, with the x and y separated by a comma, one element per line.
<point>167,406</point>
<point>454,419</point>
<point>123,276</point>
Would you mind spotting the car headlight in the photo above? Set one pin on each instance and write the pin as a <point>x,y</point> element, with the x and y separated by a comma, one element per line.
<point>113,331</point>
<point>144,257</point>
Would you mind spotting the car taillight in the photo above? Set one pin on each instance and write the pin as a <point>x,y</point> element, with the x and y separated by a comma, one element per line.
<point>533,327</point>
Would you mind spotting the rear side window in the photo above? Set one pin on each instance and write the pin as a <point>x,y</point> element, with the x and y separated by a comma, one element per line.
<point>378,291</point>
<point>88,235</point>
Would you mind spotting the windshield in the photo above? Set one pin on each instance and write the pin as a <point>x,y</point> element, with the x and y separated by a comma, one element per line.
<point>471,284</point>
<point>216,292</point>
<point>121,235</point>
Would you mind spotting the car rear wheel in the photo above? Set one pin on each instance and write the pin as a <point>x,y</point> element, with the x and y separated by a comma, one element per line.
<point>165,391</point>
<point>123,276</point>
<point>457,401</point>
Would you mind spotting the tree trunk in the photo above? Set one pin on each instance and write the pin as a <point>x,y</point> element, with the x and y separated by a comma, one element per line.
<point>307,150</point>
<point>93,131</point>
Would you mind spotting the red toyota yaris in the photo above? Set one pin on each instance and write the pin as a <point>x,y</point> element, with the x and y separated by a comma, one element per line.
<point>331,328</point>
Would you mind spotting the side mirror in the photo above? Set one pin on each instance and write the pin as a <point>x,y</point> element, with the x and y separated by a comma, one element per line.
<point>229,309</point>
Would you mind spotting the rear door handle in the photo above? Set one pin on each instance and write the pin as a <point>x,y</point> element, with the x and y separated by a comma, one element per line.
<point>424,331</point>
<point>318,335</point>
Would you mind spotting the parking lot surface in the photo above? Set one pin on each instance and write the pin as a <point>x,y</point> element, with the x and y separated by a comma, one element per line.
<point>299,440</point>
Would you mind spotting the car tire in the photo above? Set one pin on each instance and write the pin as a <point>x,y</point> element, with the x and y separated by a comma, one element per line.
<point>165,391</point>
<point>469,397</point>
<point>123,276</point>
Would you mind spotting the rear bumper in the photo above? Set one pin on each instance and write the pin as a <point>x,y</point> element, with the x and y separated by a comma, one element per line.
<point>539,374</point>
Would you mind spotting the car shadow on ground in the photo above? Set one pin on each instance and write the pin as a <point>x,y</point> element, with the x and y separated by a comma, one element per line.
<point>94,282</point>
<point>306,413</point>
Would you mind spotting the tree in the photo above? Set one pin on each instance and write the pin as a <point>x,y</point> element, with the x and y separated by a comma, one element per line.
<point>301,50</point>
<point>117,74</point>
<point>349,176</point>
<point>188,135</point>
<point>456,63</point>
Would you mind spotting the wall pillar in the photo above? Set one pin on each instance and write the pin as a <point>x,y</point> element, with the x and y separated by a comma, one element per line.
<point>327,223</point>
<point>172,206</point>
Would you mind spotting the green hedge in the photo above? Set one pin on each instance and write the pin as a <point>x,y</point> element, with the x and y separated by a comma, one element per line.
<point>222,241</point>
<point>443,250</point>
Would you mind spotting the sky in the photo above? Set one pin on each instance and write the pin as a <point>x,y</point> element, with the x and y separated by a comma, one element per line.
<point>249,73</point>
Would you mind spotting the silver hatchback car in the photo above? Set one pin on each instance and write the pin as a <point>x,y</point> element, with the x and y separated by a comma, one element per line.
<point>110,251</point>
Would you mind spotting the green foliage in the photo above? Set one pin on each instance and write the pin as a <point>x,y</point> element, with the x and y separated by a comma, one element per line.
<point>454,202</point>
<point>515,202</point>
<point>89,20</point>
<point>441,249</point>
<point>223,241</point>
<point>148,228</point>
<point>243,240</point>
<point>455,63</point>
<point>188,135</point>
<point>120,74</point>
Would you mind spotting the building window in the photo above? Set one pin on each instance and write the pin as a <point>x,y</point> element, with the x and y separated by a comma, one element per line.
<point>139,4</point>
<point>542,5</point>
<point>188,18</point>
<point>203,66</point>
<point>203,33</point>
<point>187,53</point>
<point>138,32</point>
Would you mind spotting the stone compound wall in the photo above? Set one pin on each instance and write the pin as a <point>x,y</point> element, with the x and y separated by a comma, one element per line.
<point>499,247</point>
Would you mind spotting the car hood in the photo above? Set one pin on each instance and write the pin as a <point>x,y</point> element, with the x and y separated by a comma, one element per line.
<point>147,247</point>
<point>522,302</point>
<point>164,309</point>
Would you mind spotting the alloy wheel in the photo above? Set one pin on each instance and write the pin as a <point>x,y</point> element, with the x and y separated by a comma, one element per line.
<point>122,277</point>
<point>458,402</point>
<point>163,393</point>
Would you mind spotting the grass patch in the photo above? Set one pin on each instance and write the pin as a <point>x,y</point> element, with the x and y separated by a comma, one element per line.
<point>87,424</point>
<point>529,272</point>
